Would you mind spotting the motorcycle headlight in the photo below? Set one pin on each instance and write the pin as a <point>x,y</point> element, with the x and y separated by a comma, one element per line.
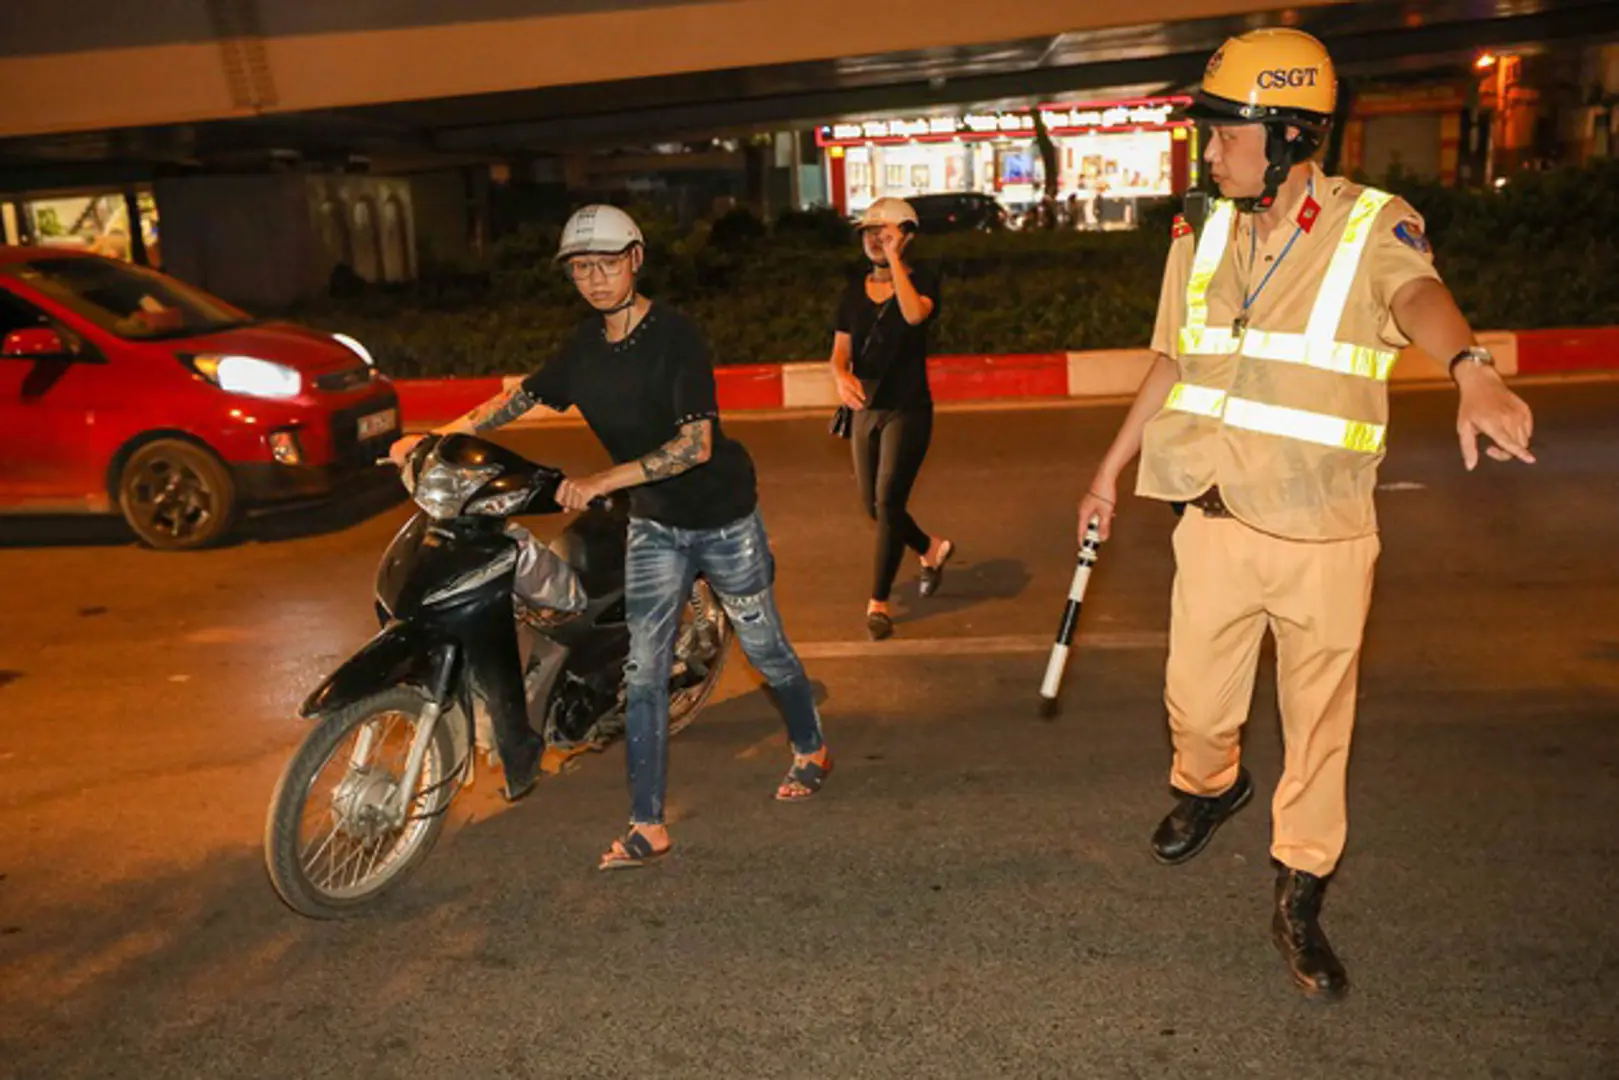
<point>498,505</point>
<point>248,375</point>
<point>442,489</point>
<point>469,581</point>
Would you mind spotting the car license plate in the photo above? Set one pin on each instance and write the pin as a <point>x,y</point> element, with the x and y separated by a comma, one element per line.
<point>378,423</point>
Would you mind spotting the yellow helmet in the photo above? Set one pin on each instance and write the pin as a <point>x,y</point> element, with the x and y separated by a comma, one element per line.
<point>1275,74</point>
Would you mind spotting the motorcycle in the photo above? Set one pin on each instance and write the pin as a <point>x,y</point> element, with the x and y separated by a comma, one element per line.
<point>489,639</point>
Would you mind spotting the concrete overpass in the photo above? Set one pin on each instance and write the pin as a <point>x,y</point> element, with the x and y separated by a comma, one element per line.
<point>167,63</point>
<point>88,85</point>
<point>320,136</point>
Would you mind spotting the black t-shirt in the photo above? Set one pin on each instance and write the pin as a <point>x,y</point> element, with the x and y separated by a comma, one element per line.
<point>635,395</point>
<point>885,347</point>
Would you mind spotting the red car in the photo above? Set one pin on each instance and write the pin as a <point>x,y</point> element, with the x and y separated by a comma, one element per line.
<point>124,390</point>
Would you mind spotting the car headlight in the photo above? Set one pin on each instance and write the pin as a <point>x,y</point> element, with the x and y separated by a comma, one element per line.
<point>356,348</point>
<point>248,375</point>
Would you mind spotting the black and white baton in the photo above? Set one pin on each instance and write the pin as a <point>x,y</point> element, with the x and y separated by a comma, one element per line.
<point>1055,667</point>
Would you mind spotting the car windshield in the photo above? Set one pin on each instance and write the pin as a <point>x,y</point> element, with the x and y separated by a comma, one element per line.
<point>129,301</point>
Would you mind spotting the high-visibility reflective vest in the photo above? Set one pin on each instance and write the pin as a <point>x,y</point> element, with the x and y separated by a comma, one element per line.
<point>1296,415</point>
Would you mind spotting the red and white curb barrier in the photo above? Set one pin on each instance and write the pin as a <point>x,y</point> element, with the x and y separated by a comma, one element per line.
<point>1107,373</point>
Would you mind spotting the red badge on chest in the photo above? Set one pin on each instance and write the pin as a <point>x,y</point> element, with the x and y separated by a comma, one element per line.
<point>1308,213</point>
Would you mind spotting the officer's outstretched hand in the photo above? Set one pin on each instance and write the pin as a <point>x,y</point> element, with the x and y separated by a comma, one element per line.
<point>1489,408</point>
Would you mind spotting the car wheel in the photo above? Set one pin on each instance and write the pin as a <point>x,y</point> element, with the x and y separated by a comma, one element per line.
<point>176,495</point>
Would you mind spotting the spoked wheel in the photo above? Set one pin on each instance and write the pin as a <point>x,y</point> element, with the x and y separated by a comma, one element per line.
<point>337,836</point>
<point>176,496</point>
<point>701,646</point>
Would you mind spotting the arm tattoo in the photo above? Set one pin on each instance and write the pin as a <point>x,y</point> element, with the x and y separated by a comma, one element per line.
<point>685,451</point>
<point>501,410</point>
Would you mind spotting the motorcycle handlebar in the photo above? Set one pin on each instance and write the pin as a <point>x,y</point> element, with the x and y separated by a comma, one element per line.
<point>544,476</point>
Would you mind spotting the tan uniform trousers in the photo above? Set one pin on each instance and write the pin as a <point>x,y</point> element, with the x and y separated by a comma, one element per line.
<point>1231,582</point>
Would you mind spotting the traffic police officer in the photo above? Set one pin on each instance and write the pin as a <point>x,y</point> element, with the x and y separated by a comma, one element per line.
<point>1265,414</point>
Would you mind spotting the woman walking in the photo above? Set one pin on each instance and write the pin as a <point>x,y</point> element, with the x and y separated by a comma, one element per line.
<point>880,364</point>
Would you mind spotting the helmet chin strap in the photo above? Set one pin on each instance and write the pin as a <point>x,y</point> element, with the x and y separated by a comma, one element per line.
<point>1281,155</point>
<point>629,301</point>
<point>607,316</point>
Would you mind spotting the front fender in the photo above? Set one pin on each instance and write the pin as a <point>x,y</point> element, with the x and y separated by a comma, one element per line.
<point>399,654</point>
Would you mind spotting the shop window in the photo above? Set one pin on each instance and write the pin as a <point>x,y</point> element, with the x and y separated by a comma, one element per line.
<point>98,223</point>
<point>894,177</point>
<point>1017,167</point>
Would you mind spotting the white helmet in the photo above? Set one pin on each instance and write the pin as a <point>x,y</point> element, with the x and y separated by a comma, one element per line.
<point>888,211</point>
<point>598,230</point>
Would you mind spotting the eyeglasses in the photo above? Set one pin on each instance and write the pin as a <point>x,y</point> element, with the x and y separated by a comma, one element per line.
<point>609,266</point>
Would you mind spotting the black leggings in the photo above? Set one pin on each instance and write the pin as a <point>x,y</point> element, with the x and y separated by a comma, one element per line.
<point>889,445</point>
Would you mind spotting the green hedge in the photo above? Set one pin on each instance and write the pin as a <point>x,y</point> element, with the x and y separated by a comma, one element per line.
<point>1542,251</point>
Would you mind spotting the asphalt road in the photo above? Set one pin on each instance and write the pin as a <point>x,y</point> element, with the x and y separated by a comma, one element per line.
<point>972,896</point>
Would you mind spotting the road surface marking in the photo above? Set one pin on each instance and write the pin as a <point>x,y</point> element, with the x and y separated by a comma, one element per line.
<point>974,646</point>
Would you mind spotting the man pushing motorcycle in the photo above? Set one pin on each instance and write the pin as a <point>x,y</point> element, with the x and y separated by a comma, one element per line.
<point>640,374</point>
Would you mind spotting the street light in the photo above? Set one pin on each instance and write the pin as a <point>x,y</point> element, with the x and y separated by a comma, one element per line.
<point>1485,61</point>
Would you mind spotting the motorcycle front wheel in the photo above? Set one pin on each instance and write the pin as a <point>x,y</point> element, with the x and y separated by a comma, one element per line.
<point>331,843</point>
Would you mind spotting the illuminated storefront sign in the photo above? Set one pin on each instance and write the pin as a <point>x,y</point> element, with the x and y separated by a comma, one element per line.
<point>1145,115</point>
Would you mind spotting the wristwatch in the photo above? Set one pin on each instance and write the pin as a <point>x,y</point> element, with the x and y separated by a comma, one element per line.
<point>1475,354</point>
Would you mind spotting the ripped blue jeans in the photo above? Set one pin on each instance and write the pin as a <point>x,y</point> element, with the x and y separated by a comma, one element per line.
<point>660,566</point>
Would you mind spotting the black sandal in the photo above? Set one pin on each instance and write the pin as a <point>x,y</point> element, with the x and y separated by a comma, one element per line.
<point>933,576</point>
<point>630,851</point>
<point>803,780</point>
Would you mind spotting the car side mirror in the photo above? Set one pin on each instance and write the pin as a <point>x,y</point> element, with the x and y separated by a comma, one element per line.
<point>35,343</point>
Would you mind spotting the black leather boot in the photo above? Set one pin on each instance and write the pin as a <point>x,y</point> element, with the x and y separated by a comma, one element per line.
<point>1190,826</point>
<point>1300,939</point>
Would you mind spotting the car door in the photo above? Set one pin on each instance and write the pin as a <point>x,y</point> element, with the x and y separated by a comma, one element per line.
<point>51,380</point>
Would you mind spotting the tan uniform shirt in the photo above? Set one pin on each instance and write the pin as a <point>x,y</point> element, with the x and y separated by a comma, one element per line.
<point>1284,490</point>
